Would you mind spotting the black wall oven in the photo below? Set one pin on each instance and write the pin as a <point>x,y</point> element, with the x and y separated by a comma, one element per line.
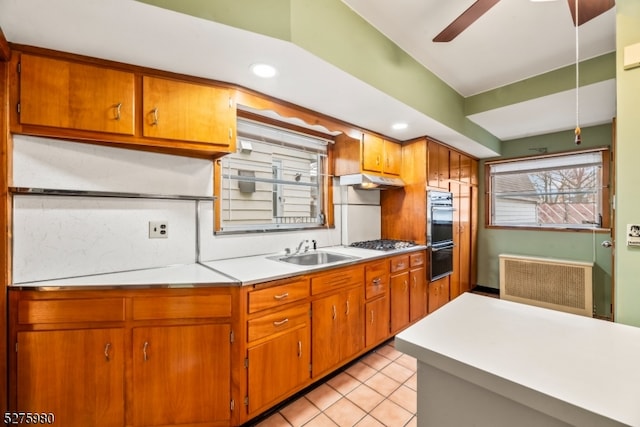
<point>440,233</point>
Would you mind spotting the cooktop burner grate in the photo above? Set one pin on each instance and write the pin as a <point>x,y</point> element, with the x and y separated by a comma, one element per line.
<point>383,244</point>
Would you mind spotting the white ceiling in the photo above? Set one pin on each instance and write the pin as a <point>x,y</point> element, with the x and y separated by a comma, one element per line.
<point>516,39</point>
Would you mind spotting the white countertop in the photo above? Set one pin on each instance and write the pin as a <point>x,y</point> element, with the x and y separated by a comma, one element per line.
<point>256,269</point>
<point>172,276</point>
<point>565,365</point>
<point>233,271</point>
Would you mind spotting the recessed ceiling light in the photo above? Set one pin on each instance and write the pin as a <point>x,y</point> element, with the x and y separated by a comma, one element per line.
<point>399,126</point>
<point>264,70</point>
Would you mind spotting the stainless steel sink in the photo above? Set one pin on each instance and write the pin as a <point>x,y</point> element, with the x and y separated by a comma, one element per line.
<point>313,258</point>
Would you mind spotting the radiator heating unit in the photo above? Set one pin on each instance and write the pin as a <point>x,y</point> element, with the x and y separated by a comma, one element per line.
<point>545,282</point>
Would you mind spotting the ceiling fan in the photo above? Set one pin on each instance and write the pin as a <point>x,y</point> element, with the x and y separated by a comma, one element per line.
<point>587,10</point>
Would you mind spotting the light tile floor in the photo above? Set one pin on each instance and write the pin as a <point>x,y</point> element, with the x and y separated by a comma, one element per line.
<point>378,390</point>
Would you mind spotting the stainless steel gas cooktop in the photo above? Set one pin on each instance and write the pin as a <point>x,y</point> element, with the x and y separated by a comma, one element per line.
<point>383,244</point>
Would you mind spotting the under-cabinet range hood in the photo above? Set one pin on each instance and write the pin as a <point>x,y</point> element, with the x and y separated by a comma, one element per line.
<point>371,182</point>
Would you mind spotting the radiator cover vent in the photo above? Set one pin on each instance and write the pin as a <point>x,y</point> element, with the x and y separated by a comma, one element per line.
<point>551,283</point>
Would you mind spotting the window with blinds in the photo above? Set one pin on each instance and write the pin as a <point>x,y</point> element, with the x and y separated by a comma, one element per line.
<point>553,191</point>
<point>275,180</point>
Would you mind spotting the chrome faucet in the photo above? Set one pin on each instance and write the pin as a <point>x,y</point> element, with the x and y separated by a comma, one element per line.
<point>306,248</point>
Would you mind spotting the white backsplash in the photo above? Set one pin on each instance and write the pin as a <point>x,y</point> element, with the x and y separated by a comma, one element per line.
<point>61,236</point>
<point>58,237</point>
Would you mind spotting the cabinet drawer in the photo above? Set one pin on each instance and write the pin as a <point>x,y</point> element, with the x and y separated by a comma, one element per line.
<point>281,321</point>
<point>71,310</point>
<point>337,280</point>
<point>181,307</point>
<point>416,259</point>
<point>377,278</point>
<point>399,263</point>
<point>278,295</point>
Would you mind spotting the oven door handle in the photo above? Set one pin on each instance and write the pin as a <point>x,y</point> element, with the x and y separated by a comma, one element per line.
<point>441,248</point>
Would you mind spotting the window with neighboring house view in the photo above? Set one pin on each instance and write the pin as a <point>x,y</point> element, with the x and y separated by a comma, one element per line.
<point>275,180</point>
<point>568,191</point>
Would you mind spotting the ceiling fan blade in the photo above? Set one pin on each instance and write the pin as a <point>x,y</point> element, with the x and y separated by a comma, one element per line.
<point>468,17</point>
<point>589,9</point>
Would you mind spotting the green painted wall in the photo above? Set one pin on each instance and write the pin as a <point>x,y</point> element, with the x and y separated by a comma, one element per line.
<point>578,246</point>
<point>627,268</point>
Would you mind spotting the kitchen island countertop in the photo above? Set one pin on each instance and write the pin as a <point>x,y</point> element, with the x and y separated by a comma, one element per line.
<point>571,369</point>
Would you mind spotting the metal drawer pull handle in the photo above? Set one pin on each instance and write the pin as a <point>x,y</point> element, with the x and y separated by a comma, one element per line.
<point>118,108</point>
<point>376,281</point>
<point>372,317</point>
<point>299,349</point>
<point>155,117</point>
<point>144,351</point>
<point>406,285</point>
<point>415,281</point>
<point>400,266</point>
<point>281,296</point>
<point>106,351</point>
<point>281,322</point>
<point>333,312</point>
<point>347,312</point>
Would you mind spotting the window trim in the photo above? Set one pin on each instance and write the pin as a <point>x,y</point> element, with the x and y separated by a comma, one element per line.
<point>326,187</point>
<point>605,227</point>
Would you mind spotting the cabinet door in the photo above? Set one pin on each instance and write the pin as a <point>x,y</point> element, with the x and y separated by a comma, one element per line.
<point>417,294</point>
<point>326,333</point>
<point>338,329</point>
<point>352,331</point>
<point>277,367</point>
<point>454,278</point>
<point>372,153</point>
<point>399,301</point>
<point>187,112</point>
<point>377,321</point>
<point>181,374</point>
<point>392,158</point>
<point>65,94</point>
<point>464,239</point>
<point>78,375</point>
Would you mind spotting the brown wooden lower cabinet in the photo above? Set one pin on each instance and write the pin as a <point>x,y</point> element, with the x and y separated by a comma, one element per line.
<point>340,318</point>
<point>217,356</point>
<point>276,367</point>
<point>438,293</point>
<point>181,375</point>
<point>75,375</point>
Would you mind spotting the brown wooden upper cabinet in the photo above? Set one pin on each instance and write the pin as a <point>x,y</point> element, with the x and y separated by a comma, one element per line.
<point>71,95</point>
<point>370,154</point>
<point>380,155</point>
<point>438,165</point>
<point>186,111</point>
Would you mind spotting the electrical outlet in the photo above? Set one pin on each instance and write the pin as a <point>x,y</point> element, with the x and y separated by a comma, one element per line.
<point>158,229</point>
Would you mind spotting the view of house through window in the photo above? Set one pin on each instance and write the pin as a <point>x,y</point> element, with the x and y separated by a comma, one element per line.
<point>274,180</point>
<point>554,191</point>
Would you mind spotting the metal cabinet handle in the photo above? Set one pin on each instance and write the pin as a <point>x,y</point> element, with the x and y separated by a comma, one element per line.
<point>281,322</point>
<point>372,317</point>
<point>281,296</point>
<point>406,285</point>
<point>299,349</point>
<point>155,116</point>
<point>348,309</point>
<point>607,244</point>
<point>333,312</point>
<point>145,356</point>
<point>377,160</point>
<point>377,281</point>
<point>118,107</point>
<point>107,347</point>
<point>415,282</point>
<point>400,266</point>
